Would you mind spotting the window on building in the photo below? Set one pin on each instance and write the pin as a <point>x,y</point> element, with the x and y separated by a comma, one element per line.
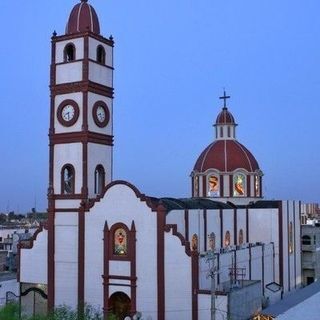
<point>213,186</point>
<point>69,52</point>
<point>194,243</point>
<point>239,185</point>
<point>120,247</point>
<point>291,244</point>
<point>196,186</point>
<point>99,179</point>
<point>306,240</point>
<point>241,240</point>
<point>227,239</point>
<point>221,132</point>
<point>229,132</point>
<point>211,241</point>
<point>101,54</point>
<point>67,179</point>
<point>257,185</point>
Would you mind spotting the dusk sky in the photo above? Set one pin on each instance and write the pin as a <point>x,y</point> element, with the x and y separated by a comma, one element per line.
<point>172,60</point>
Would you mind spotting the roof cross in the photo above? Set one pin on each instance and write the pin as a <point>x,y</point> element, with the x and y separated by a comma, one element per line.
<point>224,97</point>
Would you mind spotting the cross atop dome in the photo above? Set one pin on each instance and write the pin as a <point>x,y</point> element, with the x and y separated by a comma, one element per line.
<point>224,98</point>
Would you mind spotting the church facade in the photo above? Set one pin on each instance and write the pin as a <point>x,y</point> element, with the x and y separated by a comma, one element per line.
<point>109,245</point>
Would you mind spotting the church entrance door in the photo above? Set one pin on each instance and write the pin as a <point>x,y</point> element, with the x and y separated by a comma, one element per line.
<point>119,305</point>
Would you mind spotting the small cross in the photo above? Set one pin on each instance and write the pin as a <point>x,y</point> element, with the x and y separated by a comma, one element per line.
<point>224,98</point>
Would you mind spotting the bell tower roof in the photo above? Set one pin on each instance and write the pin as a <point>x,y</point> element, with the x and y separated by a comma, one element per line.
<point>83,18</point>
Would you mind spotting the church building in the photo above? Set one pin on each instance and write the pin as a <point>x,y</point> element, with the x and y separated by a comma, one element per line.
<point>108,245</point>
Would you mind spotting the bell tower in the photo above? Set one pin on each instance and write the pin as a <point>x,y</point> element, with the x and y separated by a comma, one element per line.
<point>80,144</point>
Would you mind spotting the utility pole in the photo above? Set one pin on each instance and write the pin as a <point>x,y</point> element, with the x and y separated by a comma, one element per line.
<point>211,256</point>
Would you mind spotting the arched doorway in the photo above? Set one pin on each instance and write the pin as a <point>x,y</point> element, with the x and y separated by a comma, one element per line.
<point>119,304</point>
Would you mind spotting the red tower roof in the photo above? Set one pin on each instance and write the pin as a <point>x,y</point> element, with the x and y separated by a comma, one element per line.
<point>225,117</point>
<point>226,156</point>
<point>83,18</point>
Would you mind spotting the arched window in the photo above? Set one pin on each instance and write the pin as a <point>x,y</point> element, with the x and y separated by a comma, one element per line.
<point>213,186</point>
<point>306,240</point>
<point>227,239</point>
<point>211,241</point>
<point>101,54</point>
<point>69,52</point>
<point>257,185</point>
<point>240,237</point>
<point>291,245</point>
<point>120,242</point>
<point>239,185</point>
<point>196,186</point>
<point>194,243</point>
<point>229,132</point>
<point>221,132</point>
<point>99,179</point>
<point>67,179</point>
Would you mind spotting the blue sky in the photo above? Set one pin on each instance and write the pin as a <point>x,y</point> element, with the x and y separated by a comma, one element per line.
<point>172,61</point>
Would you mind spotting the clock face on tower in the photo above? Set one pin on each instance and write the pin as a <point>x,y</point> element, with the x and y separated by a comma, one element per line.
<point>68,113</point>
<point>100,114</point>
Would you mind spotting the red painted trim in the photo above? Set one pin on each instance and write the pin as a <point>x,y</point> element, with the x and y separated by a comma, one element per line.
<point>81,258</point>
<point>184,242</point>
<point>51,253</point>
<point>28,244</point>
<point>81,137</point>
<point>248,186</point>
<point>76,112</point>
<point>195,283</point>
<point>250,262</point>
<point>100,38</point>
<point>106,244</point>
<point>82,86</point>
<point>186,223</point>
<point>192,187</point>
<point>161,218</point>
<point>106,111</point>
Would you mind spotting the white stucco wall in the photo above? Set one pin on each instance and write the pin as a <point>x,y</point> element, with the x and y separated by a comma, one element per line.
<point>100,74</point>
<point>68,153</point>
<point>79,45</point>
<point>66,259</point>
<point>178,286</point>
<point>78,98</point>
<point>120,204</point>
<point>93,44</point>
<point>69,72</point>
<point>33,262</point>
<point>213,225</point>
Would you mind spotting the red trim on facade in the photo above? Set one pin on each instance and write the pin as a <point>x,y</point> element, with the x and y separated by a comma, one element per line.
<point>161,220</point>
<point>231,185</point>
<point>76,113</point>
<point>65,37</point>
<point>82,86</point>
<point>100,124</point>
<point>81,258</point>
<point>221,228</point>
<point>195,283</point>
<point>81,137</point>
<point>51,253</point>
<point>186,224</point>
<point>249,186</point>
<point>247,225</point>
<point>204,186</point>
<point>192,186</point>
<point>205,227</point>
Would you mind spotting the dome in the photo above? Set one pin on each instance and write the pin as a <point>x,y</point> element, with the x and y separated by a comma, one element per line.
<point>225,117</point>
<point>83,18</point>
<point>226,156</point>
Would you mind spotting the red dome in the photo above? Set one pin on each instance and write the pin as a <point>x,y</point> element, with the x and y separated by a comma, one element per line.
<point>226,156</point>
<point>225,117</point>
<point>83,18</point>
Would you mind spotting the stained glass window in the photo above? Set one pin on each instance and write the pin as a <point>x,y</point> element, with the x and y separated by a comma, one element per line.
<point>194,243</point>
<point>257,185</point>
<point>291,245</point>
<point>239,185</point>
<point>241,236</point>
<point>227,239</point>
<point>120,242</point>
<point>213,186</point>
<point>196,186</point>
<point>211,241</point>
